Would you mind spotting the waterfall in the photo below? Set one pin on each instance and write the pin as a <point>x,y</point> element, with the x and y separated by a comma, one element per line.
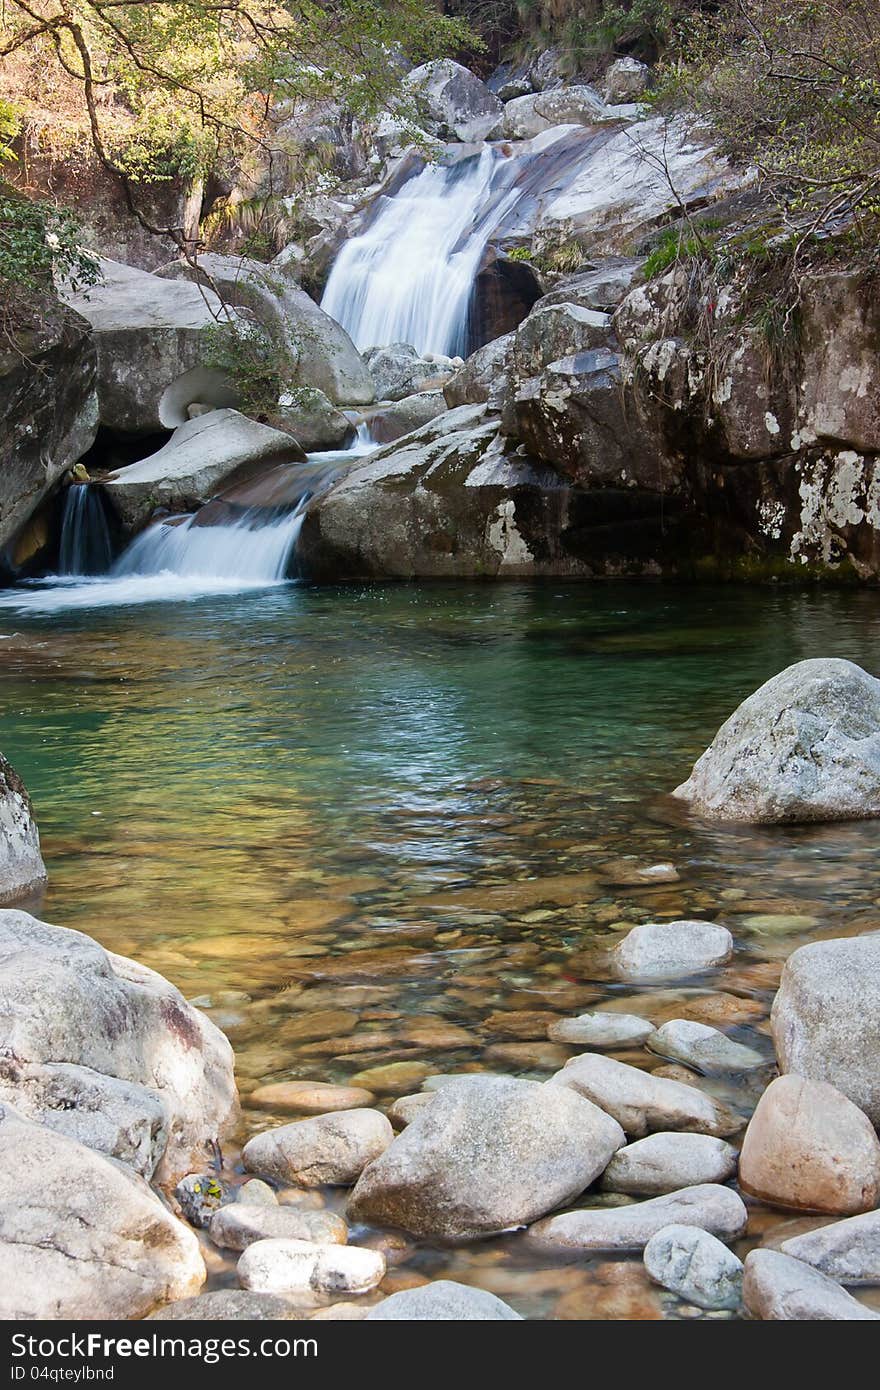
<point>407,277</point>
<point>85,547</point>
<point>249,550</point>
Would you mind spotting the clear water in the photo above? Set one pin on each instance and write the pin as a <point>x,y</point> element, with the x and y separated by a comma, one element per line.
<point>436,792</point>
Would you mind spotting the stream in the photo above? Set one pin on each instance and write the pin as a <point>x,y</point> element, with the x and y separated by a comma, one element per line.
<point>404,822</point>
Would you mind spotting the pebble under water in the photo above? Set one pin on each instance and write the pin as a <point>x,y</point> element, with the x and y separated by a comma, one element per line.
<point>404,823</point>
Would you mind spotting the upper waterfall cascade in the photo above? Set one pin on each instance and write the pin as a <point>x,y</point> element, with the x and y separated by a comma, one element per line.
<point>407,278</point>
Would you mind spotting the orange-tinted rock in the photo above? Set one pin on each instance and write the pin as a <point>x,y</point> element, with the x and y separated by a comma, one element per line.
<point>808,1148</point>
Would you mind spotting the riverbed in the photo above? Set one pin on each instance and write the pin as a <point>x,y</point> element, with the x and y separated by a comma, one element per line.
<point>405,823</point>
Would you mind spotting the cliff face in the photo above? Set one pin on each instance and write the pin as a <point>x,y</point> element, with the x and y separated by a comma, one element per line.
<point>48,411</point>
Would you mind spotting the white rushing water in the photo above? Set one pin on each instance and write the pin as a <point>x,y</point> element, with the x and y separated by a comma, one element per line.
<point>184,557</point>
<point>407,278</point>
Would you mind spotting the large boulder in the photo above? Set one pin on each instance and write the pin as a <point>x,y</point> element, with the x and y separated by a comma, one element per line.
<point>391,422</point>
<point>149,335</point>
<point>82,1237</point>
<point>210,451</point>
<point>484,1156</point>
<point>398,371</point>
<point>553,331</point>
<point>483,376</point>
<point>826,1017</point>
<point>313,420</point>
<point>808,1148</point>
<point>48,411</point>
<point>22,870</point>
<point>321,353</point>
<point>530,115</point>
<point>625,80</point>
<point>804,747</point>
<point>107,1052</point>
<point>578,416</point>
<point>456,105</point>
<point>444,501</point>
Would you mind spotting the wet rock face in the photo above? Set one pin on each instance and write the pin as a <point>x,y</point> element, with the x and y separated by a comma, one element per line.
<point>22,870</point>
<point>48,414</point>
<point>504,291</point>
<point>81,1236</point>
<point>577,416</point>
<point>804,747</point>
<point>443,1301</point>
<point>107,1052</point>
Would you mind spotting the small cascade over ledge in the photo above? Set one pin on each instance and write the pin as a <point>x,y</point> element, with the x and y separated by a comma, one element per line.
<point>245,538</point>
<point>85,547</point>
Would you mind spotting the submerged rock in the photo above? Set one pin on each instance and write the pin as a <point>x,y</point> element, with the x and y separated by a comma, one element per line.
<point>238,1225</point>
<point>81,1236</point>
<point>22,870</point>
<point>601,1030</point>
<point>299,1267</point>
<point>808,1148</point>
<point>715,1209</point>
<point>331,1148</point>
<point>664,1162</point>
<point>778,1288</point>
<point>641,1102</point>
<point>696,1266</point>
<point>704,1048</point>
<point>80,1022</point>
<point>671,950</point>
<point>484,1156</point>
<point>826,1017</point>
<point>804,747</point>
<point>309,1097</point>
<point>443,1300</point>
